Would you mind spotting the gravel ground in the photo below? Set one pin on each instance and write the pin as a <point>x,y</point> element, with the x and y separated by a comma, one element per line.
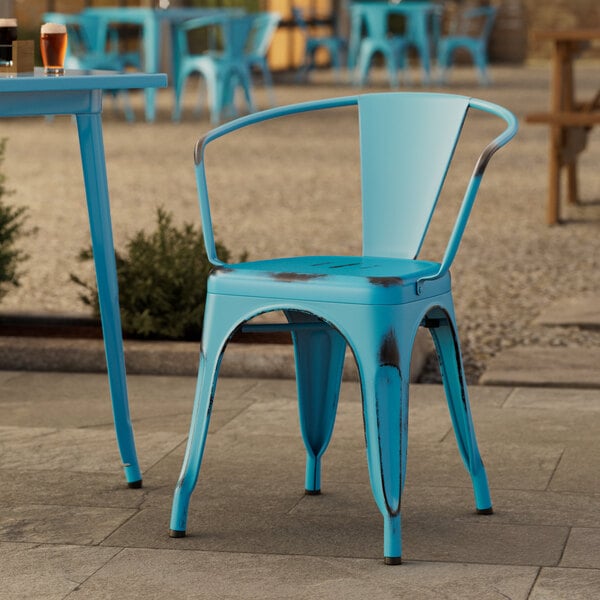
<point>278,193</point>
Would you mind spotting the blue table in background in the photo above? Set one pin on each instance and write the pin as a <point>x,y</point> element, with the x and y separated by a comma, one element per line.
<point>150,20</point>
<point>79,93</point>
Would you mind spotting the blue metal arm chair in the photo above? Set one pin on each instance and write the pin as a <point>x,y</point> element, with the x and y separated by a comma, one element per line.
<point>81,52</point>
<point>334,44</point>
<point>221,67</point>
<point>263,29</point>
<point>374,18</point>
<point>373,303</point>
<point>471,32</point>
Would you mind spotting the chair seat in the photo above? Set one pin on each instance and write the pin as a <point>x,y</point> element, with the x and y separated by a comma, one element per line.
<point>345,279</point>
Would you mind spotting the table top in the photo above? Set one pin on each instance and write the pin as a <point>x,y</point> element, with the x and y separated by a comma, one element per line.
<point>397,6</point>
<point>567,35</point>
<point>139,14</point>
<point>75,80</point>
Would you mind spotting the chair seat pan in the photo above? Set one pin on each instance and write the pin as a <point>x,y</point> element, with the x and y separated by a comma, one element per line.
<point>347,279</point>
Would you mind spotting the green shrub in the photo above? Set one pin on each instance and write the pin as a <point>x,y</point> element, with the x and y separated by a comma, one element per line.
<point>162,282</point>
<point>12,221</point>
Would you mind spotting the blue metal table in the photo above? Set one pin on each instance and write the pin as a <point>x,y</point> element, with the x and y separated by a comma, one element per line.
<point>150,20</point>
<point>79,93</point>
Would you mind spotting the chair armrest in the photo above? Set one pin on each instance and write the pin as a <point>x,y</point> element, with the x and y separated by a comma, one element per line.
<point>202,143</point>
<point>474,183</point>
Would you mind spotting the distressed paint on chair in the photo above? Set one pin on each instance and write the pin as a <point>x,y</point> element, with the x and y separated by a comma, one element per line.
<point>372,303</point>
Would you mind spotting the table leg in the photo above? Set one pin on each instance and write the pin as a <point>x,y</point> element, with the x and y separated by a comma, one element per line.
<point>572,192</point>
<point>96,186</point>
<point>152,44</point>
<point>552,209</point>
<point>423,45</point>
<point>354,41</point>
<point>568,104</point>
<point>560,58</point>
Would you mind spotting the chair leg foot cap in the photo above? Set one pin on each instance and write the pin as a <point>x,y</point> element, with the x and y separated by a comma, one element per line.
<point>485,511</point>
<point>393,560</point>
<point>312,492</point>
<point>134,485</point>
<point>176,533</point>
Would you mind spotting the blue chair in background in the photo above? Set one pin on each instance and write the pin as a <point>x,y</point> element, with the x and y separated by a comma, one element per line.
<point>82,50</point>
<point>470,31</point>
<point>373,17</point>
<point>221,61</point>
<point>334,44</point>
<point>263,29</point>
<point>373,303</point>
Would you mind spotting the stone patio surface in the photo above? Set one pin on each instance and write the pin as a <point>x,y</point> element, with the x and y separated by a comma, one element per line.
<point>70,528</point>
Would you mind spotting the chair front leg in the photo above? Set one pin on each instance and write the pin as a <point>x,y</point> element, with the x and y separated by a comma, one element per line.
<point>205,389</point>
<point>384,365</point>
<point>385,408</point>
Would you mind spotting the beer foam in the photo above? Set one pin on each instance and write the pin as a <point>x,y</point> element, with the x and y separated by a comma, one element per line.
<point>8,22</point>
<point>54,28</point>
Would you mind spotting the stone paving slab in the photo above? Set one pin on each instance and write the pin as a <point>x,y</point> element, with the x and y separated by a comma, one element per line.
<point>583,548</point>
<point>47,572</point>
<point>47,523</point>
<point>573,471</point>
<point>340,535</point>
<point>581,311</point>
<point>208,575</point>
<point>565,367</point>
<point>574,584</point>
<point>91,450</point>
<point>553,399</point>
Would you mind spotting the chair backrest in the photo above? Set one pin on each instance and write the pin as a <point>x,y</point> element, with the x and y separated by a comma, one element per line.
<point>236,31</point>
<point>373,17</point>
<point>476,22</point>
<point>264,26</point>
<point>300,20</point>
<point>231,29</point>
<point>407,141</point>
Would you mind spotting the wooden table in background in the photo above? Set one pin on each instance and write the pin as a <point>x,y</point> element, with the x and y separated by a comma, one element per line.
<point>568,119</point>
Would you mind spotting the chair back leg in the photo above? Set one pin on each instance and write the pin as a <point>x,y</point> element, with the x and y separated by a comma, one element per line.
<point>319,355</point>
<point>447,346</point>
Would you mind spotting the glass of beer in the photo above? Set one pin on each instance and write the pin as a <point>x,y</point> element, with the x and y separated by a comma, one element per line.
<point>8,34</point>
<point>53,45</point>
